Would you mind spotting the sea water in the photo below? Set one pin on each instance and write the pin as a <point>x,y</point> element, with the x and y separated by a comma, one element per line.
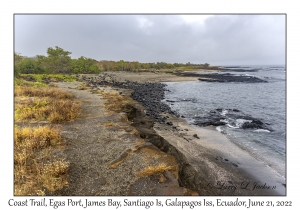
<point>265,101</point>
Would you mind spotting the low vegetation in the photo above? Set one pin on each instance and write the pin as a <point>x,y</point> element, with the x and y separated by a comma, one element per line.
<point>34,172</point>
<point>152,170</point>
<point>116,102</point>
<point>42,103</point>
<point>37,171</point>
<point>49,77</point>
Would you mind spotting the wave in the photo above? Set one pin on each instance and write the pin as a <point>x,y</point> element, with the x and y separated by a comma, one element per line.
<point>262,130</point>
<point>239,123</point>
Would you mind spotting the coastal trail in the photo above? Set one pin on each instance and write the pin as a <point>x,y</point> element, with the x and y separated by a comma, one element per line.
<point>117,148</point>
<point>106,154</point>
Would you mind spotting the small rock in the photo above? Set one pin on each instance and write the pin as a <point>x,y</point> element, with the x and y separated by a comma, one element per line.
<point>234,164</point>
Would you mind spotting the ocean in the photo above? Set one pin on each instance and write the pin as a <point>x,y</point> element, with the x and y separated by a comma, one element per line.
<point>263,101</point>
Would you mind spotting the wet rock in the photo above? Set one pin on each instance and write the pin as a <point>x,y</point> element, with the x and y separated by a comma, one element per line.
<point>149,94</point>
<point>227,77</point>
<point>203,122</point>
<point>233,117</point>
<point>169,123</point>
<point>226,161</point>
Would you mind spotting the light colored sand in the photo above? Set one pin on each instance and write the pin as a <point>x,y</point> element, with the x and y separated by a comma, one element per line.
<point>150,77</point>
<point>205,155</point>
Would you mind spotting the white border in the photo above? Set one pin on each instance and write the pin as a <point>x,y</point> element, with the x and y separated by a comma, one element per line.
<point>8,8</point>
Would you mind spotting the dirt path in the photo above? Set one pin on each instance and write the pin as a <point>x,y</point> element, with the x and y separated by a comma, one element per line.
<point>107,156</point>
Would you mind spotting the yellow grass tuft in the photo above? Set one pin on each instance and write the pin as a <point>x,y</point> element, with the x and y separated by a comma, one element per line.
<point>83,86</point>
<point>117,102</point>
<point>47,108</point>
<point>31,174</point>
<point>36,138</point>
<point>31,91</point>
<point>151,170</point>
<point>54,175</point>
<point>56,168</point>
<point>44,104</point>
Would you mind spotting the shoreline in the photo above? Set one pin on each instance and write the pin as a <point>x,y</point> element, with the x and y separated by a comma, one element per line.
<point>232,166</point>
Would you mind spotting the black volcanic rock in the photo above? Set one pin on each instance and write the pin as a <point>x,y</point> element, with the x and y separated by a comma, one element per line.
<point>149,94</point>
<point>232,117</point>
<point>152,94</point>
<point>227,77</point>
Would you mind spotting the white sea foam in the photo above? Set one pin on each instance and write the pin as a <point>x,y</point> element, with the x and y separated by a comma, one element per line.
<point>240,122</point>
<point>262,130</point>
<point>227,121</point>
<point>224,112</point>
<point>224,121</point>
<point>231,126</point>
<point>218,128</point>
<point>232,123</point>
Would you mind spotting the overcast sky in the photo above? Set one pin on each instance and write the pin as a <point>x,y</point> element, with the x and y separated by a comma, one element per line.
<point>214,39</point>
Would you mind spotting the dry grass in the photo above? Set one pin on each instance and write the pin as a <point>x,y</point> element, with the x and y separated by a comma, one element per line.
<point>36,138</point>
<point>45,104</point>
<point>48,109</point>
<point>32,175</point>
<point>32,91</point>
<point>36,171</point>
<point>151,170</point>
<point>54,175</point>
<point>115,101</point>
<point>166,161</point>
<point>83,86</point>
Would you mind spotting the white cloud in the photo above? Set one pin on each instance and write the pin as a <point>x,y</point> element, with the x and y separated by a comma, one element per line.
<point>195,18</point>
<point>215,39</point>
<point>144,22</point>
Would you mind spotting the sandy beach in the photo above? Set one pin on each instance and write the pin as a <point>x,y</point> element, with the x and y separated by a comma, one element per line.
<point>117,144</point>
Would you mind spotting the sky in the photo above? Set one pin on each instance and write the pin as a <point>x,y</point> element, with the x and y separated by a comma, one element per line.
<point>214,39</point>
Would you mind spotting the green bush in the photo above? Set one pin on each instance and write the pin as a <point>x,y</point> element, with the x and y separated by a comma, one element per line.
<point>29,66</point>
<point>84,65</point>
<point>57,61</point>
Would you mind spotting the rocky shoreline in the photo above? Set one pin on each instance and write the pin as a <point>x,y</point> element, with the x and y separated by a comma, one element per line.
<point>229,116</point>
<point>227,77</point>
<point>224,77</point>
<point>159,125</point>
<point>150,95</point>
